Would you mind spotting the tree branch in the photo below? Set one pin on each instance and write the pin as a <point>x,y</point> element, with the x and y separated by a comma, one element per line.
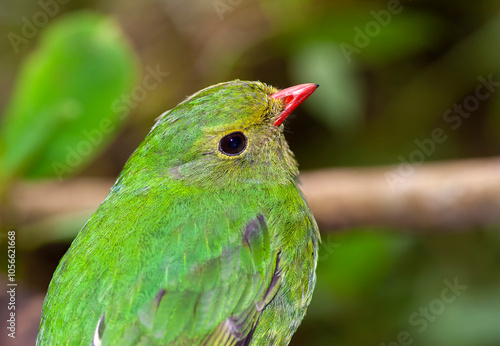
<point>450,196</point>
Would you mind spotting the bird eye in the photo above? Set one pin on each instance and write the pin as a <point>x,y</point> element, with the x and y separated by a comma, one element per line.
<point>233,144</point>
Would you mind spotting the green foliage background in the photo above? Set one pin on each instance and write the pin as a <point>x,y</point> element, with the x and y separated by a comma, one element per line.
<point>387,79</point>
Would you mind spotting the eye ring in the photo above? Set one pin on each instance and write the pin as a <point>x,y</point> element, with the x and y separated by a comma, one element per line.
<point>233,144</point>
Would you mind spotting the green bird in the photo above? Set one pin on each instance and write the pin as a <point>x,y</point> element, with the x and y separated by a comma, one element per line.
<point>204,239</point>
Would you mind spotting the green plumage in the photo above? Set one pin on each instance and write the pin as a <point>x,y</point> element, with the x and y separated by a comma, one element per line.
<point>193,246</point>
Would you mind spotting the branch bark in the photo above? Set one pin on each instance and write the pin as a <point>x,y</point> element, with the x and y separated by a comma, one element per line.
<point>449,196</point>
<point>444,196</point>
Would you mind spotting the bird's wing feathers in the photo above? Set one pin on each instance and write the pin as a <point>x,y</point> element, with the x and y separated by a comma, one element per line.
<point>218,303</point>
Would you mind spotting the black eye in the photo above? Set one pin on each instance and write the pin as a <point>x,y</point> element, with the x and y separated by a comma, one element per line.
<point>233,144</point>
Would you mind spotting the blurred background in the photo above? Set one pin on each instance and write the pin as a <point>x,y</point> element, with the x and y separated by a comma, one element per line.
<point>403,84</point>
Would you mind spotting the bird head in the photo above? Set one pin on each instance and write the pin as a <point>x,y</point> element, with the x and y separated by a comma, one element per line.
<point>227,134</point>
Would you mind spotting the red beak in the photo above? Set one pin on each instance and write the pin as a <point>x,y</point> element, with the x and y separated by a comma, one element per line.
<point>293,97</point>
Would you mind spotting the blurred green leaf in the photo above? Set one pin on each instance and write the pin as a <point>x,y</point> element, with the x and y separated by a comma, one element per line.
<point>359,261</point>
<point>387,36</point>
<point>63,110</point>
<point>339,102</point>
<point>365,32</point>
<point>415,113</point>
<point>470,320</point>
